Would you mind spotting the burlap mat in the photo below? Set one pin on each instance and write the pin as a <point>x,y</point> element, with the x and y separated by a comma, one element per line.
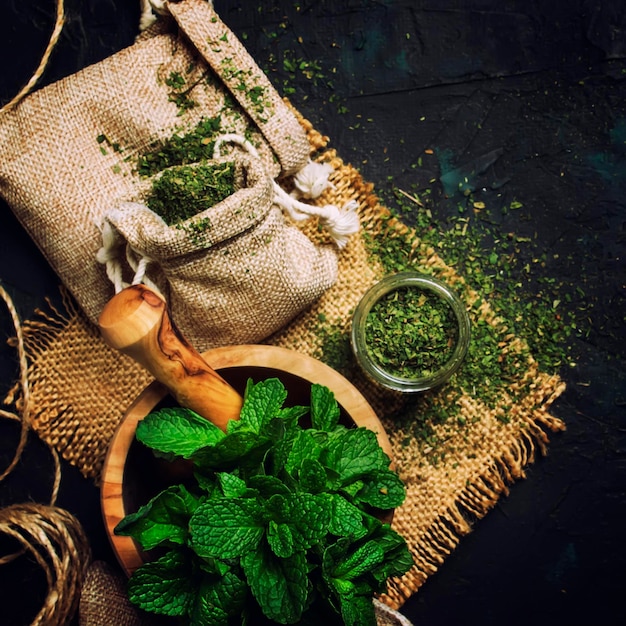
<point>80,390</point>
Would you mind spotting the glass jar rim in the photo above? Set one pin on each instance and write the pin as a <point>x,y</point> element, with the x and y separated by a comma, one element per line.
<point>394,282</point>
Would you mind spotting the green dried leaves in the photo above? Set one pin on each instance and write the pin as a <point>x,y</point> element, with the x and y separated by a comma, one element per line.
<point>411,333</point>
<point>192,146</point>
<point>279,521</point>
<point>183,191</point>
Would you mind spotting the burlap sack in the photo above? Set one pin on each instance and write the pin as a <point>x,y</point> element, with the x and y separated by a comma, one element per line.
<point>235,272</point>
<point>72,150</point>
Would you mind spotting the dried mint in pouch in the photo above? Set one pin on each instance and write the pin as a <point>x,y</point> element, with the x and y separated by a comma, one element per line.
<point>183,191</point>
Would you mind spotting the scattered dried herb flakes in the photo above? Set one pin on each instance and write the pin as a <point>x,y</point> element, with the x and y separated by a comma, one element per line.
<point>180,93</point>
<point>488,369</point>
<point>411,333</point>
<point>247,82</point>
<point>181,148</point>
<point>502,267</point>
<point>525,322</point>
<point>184,191</point>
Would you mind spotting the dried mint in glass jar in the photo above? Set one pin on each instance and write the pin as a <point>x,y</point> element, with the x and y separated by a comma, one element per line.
<point>411,332</point>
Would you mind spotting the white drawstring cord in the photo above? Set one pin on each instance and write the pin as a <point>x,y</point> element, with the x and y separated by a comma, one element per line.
<point>150,11</point>
<point>139,264</point>
<point>313,178</point>
<point>110,255</point>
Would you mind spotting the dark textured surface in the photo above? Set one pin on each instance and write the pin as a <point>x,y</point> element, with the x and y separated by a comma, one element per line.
<point>534,94</point>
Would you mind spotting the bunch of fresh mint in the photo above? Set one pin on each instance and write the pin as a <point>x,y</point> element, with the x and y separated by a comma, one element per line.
<point>278,526</point>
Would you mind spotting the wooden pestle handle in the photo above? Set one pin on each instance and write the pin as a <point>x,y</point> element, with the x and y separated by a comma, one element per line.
<point>135,321</point>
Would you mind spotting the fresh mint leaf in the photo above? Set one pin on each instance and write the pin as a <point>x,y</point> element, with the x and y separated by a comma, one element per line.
<point>398,559</point>
<point>214,567</point>
<point>163,520</point>
<point>217,600</point>
<point>307,444</point>
<point>312,476</point>
<point>226,527</point>
<point>238,449</point>
<point>310,518</point>
<point>279,585</point>
<point>307,515</point>
<point>177,431</point>
<point>346,519</point>
<point>357,610</point>
<point>232,486</point>
<point>205,613</point>
<point>268,485</point>
<point>352,489</point>
<point>207,481</point>
<point>324,408</point>
<point>364,559</point>
<point>262,402</point>
<point>364,566</point>
<point>354,452</point>
<point>292,414</point>
<point>276,429</point>
<point>278,507</point>
<point>382,489</point>
<point>280,539</point>
<point>165,586</point>
<point>281,449</point>
<point>347,565</point>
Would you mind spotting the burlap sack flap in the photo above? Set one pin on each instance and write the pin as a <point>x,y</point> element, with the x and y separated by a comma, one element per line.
<point>249,86</point>
<point>69,150</point>
<point>240,278</point>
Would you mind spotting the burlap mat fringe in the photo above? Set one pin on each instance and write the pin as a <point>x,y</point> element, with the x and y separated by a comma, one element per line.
<point>40,331</point>
<point>471,504</point>
<point>77,420</point>
<point>52,537</point>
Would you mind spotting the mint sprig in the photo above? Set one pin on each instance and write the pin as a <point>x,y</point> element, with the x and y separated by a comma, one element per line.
<point>280,523</point>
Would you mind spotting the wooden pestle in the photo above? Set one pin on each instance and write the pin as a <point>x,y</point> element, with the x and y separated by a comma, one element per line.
<point>136,322</point>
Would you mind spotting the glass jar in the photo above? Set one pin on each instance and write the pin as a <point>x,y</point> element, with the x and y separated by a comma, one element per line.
<point>384,374</point>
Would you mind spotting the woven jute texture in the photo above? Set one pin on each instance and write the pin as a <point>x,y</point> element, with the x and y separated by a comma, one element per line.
<point>80,390</point>
<point>103,599</point>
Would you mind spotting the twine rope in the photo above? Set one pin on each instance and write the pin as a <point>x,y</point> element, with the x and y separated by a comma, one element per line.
<point>53,536</point>
<point>54,38</point>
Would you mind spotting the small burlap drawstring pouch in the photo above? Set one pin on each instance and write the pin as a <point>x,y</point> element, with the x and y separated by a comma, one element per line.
<point>75,150</point>
<point>232,274</point>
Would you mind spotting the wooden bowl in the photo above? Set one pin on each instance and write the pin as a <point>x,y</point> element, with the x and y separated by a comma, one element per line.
<point>131,474</point>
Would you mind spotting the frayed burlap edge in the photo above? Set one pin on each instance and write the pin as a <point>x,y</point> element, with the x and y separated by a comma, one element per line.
<point>79,400</point>
<point>79,387</point>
